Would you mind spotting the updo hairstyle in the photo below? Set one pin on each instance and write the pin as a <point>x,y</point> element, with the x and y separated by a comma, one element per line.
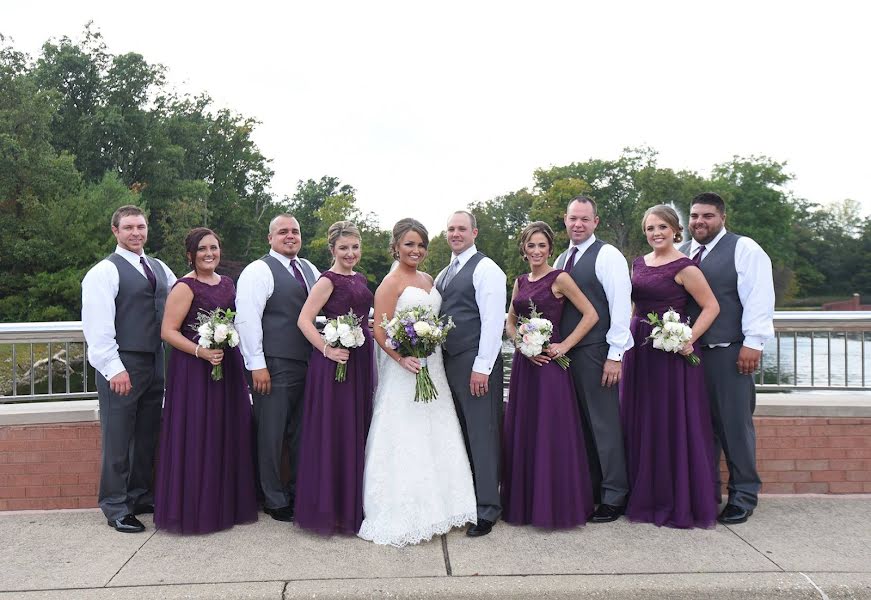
<point>402,227</point>
<point>667,214</point>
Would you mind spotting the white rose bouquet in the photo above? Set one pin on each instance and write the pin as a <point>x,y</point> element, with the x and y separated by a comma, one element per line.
<point>344,332</point>
<point>670,334</point>
<point>533,335</point>
<point>417,332</point>
<point>216,330</point>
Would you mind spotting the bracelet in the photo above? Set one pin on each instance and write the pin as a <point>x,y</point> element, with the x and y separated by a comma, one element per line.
<point>325,349</point>
<point>197,351</point>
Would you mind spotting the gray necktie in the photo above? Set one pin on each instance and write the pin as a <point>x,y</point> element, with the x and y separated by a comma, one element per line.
<point>452,271</point>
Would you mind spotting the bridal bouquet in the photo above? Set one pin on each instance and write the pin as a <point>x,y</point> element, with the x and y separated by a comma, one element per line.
<point>669,334</point>
<point>344,332</point>
<point>217,330</point>
<point>533,335</point>
<point>417,332</point>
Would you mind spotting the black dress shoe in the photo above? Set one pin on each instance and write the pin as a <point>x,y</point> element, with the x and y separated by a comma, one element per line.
<point>732,515</point>
<point>285,513</point>
<point>605,513</point>
<point>127,524</point>
<point>483,527</point>
<point>143,509</point>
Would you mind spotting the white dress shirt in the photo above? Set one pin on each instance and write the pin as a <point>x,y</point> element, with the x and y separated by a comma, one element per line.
<point>755,288</point>
<point>613,273</point>
<point>99,290</point>
<point>489,282</point>
<point>254,288</point>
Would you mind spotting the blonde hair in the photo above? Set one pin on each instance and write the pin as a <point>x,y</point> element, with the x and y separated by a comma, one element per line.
<point>339,229</point>
<point>667,214</point>
<point>402,227</point>
<point>530,230</point>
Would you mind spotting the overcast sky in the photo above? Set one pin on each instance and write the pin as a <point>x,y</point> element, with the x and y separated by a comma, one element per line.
<point>427,107</point>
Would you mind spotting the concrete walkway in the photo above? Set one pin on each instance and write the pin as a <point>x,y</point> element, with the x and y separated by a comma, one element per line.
<point>793,547</point>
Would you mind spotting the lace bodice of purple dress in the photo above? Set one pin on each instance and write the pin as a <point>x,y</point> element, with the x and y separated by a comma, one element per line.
<point>539,291</point>
<point>654,288</point>
<point>349,292</point>
<point>206,299</point>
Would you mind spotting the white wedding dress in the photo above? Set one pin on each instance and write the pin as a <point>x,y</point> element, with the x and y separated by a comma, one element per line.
<point>417,482</point>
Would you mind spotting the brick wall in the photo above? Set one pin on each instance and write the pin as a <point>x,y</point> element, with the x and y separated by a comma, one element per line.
<point>58,466</point>
<point>807,455</point>
<point>49,466</point>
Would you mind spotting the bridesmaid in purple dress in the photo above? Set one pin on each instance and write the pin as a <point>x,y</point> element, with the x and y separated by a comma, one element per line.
<point>545,480</point>
<point>205,469</point>
<point>336,415</point>
<point>664,405</point>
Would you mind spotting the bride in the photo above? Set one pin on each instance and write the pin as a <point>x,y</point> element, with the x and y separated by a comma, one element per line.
<point>417,482</point>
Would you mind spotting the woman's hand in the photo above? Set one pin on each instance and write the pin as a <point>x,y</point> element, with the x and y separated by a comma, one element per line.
<point>686,349</point>
<point>410,363</point>
<point>556,350</point>
<point>211,355</point>
<point>538,360</point>
<point>339,355</point>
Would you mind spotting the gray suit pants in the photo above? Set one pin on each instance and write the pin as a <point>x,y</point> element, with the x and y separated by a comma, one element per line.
<point>481,422</point>
<point>600,419</point>
<point>278,419</point>
<point>733,400</point>
<point>130,426</point>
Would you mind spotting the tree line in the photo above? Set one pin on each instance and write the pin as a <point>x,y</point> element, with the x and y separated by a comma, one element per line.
<point>83,131</point>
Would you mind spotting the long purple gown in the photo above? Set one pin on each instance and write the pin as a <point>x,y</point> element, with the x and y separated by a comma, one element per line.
<point>665,413</point>
<point>336,416</point>
<point>545,479</point>
<point>204,478</point>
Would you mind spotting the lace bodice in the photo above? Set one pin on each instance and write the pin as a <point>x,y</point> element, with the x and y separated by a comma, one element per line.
<point>539,291</point>
<point>654,288</point>
<point>206,299</point>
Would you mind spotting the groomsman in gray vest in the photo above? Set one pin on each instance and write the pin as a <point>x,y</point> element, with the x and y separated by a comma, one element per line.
<point>600,270</point>
<point>739,273</point>
<point>473,294</point>
<point>269,297</point>
<point>123,297</point>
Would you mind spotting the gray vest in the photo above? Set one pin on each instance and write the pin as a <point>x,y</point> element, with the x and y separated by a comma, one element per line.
<point>138,308</point>
<point>719,269</point>
<point>458,301</point>
<point>281,335</point>
<point>584,274</point>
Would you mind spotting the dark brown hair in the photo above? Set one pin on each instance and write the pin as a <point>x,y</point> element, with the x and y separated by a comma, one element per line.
<point>192,242</point>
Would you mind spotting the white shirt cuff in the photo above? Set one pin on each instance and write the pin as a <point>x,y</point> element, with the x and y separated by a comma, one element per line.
<point>255,362</point>
<point>113,368</point>
<point>756,343</point>
<point>615,354</point>
<point>480,366</point>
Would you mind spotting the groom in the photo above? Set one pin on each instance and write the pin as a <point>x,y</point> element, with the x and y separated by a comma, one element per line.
<point>473,294</point>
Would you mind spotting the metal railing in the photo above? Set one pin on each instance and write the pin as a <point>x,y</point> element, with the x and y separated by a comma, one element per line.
<point>813,350</point>
<point>818,350</point>
<point>44,361</point>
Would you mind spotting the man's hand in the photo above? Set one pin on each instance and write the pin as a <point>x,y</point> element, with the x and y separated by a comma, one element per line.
<point>611,372</point>
<point>120,383</point>
<point>262,381</point>
<point>748,360</point>
<point>479,383</point>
